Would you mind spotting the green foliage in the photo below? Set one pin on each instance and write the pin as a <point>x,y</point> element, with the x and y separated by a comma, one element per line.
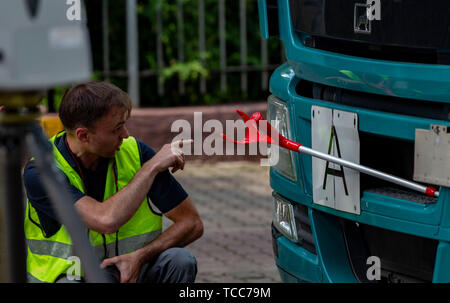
<point>190,70</point>
<point>185,70</point>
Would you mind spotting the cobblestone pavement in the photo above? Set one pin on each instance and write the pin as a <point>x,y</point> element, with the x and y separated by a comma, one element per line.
<point>235,203</point>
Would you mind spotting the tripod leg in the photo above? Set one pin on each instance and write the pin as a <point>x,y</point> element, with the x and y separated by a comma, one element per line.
<point>12,208</point>
<point>53,182</point>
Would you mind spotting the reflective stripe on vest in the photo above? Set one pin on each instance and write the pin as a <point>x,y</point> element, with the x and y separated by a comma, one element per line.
<point>62,250</point>
<point>47,256</point>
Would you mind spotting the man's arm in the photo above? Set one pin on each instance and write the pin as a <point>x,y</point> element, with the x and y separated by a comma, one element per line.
<point>108,216</point>
<point>187,227</point>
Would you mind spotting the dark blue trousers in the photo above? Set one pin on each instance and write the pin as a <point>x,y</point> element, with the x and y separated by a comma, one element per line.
<point>174,265</point>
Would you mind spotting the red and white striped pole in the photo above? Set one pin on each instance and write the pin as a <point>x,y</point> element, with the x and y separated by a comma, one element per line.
<point>272,134</point>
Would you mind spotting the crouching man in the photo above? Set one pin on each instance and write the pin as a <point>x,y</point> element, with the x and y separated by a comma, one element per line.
<point>112,177</point>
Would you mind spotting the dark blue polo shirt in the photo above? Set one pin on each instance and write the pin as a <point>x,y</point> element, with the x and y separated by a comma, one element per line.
<point>165,193</point>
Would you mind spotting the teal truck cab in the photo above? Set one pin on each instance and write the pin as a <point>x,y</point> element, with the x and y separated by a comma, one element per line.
<point>369,82</point>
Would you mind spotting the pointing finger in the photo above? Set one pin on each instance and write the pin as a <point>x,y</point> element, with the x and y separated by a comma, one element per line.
<point>181,143</point>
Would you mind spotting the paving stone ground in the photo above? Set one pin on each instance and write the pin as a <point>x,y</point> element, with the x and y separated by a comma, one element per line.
<point>234,200</point>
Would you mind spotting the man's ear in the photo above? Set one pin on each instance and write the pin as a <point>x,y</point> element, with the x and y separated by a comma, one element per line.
<point>82,134</point>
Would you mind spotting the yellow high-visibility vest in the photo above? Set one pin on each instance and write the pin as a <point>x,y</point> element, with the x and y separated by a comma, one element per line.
<point>48,258</point>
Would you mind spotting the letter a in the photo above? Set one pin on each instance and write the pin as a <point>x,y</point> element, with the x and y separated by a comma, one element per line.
<point>73,12</point>
<point>74,271</point>
<point>373,10</point>
<point>374,271</point>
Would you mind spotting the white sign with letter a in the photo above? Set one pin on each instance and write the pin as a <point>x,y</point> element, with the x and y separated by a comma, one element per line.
<point>335,132</point>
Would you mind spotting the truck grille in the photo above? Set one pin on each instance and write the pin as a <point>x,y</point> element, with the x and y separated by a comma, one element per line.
<point>403,257</point>
<point>398,158</point>
<point>406,23</point>
<point>413,31</point>
<point>304,232</point>
<point>390,104</point>
<point>403,195</point>
<point>379,52</point>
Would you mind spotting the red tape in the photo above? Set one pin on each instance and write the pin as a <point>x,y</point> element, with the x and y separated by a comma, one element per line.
<point>429,191</point>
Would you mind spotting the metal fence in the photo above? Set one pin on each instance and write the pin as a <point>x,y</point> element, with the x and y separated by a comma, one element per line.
<point>134,74</point>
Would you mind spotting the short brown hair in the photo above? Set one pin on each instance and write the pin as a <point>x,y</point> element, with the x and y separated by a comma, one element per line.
<point>83,104</point>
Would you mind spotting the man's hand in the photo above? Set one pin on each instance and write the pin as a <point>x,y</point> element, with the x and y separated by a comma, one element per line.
<point>170,155</point>
<point>129,266</point>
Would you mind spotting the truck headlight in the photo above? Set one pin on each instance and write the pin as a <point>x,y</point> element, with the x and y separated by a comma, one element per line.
<point>283,217</point>
<point>277,111</point>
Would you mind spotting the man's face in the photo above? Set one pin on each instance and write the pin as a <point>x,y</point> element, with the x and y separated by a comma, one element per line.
<point>108,133</point>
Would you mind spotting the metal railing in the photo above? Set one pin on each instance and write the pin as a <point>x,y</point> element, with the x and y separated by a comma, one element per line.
<point>134,74</point>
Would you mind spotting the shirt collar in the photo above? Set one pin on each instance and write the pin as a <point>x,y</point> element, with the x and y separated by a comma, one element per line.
<point>60,143</point>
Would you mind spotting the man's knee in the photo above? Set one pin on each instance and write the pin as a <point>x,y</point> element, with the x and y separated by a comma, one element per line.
<point>182,259</point>
<point>175,265</point>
